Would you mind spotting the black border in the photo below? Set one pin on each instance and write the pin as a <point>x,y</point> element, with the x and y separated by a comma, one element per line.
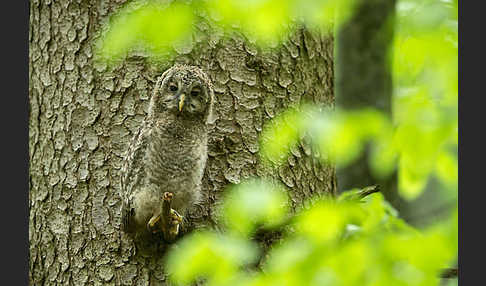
<point>471,142</point>
<point>14,117</point>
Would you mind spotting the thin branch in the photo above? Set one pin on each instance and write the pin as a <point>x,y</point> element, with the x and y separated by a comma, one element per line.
<point>368,191</point>
<point>449,273</point>
<point>357,195</point>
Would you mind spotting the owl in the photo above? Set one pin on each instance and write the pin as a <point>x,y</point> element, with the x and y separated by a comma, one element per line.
<point>164,165</point>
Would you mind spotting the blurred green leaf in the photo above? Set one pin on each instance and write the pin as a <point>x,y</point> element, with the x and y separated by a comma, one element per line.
<point>311,223</point>
<point>446,168</point>
<point>253,203</point>
<point>322,249</point>
<point>288,257</point>
<point>156,26</point>
<point>153,27</point>
<point>326,221</point>
<point>211,256</point>
<point>280,134</point>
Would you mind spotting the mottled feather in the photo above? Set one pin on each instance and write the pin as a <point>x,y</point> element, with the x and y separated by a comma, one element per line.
<point>169,151</point>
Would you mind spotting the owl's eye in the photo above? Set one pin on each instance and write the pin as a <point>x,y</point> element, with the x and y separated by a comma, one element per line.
<point>173,87</point>
<point>195,92</point>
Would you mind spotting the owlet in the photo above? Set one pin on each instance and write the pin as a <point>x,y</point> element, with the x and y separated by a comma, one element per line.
<point>167,156</point>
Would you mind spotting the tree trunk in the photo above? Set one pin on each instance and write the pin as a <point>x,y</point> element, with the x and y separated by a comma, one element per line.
<point>364,80</point>
<point>83,115</point>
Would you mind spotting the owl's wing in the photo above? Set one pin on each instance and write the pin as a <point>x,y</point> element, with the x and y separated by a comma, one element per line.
<point>133,173</point>
<point>127,217</point>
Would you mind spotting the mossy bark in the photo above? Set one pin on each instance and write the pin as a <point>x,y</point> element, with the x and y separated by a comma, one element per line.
<point>83,115</point>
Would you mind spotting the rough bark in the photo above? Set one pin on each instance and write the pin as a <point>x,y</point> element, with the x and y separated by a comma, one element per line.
<point>83,114</point>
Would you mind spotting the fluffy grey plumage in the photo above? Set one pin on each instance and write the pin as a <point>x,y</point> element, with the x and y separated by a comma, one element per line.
<point>169,152</point>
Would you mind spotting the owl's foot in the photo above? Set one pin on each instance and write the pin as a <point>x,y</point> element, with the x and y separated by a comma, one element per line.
<point>167,222</point>
<point>170,229</point>
<point>170,219</point>
<point>167,197</point>
<point>152,224</point>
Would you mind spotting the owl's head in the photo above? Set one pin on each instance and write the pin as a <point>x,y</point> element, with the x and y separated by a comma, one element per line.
<point>184,90</point>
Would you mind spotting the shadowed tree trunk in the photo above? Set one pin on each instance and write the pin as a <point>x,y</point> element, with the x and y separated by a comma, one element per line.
<point>364,80</point>
<point>83,115</point>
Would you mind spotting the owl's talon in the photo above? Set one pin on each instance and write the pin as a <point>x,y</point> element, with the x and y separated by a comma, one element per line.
<point>167,196</point>
<point>175,220</point>
<point>175,216</point>
<point>151,224</point>
<point>174,230</point>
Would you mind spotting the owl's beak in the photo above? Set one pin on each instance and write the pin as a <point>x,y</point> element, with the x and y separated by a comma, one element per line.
<point>181,101</point>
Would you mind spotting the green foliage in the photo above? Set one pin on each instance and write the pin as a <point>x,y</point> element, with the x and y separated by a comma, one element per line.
<point>153,26</point>
<point>425,99</point>
<point>421,138</point>
<point>218,258</point>
<point>254,203</point>
<point>158,26</point>
<point>334,242</point>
